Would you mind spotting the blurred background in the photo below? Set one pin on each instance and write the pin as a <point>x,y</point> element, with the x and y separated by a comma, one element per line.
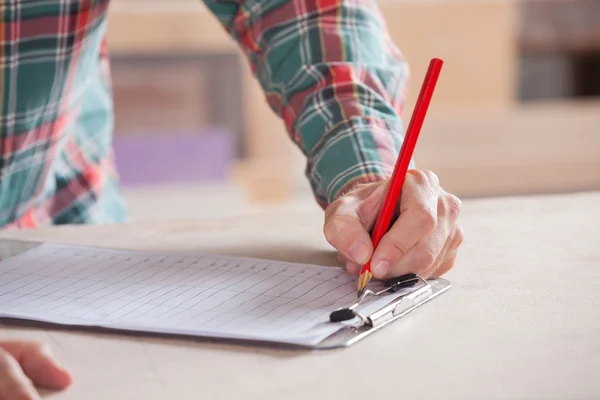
<point>516,110</point>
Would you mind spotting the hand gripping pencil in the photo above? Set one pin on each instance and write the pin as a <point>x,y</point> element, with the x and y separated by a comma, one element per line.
<point>384,218</point>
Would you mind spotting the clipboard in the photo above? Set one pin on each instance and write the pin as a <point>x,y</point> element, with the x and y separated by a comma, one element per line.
<point>422,292</point>
<point>406,294</point>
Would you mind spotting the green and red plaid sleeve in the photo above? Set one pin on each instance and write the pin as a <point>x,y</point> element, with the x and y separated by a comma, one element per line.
<point>330,70</point>
<point>56,120</point>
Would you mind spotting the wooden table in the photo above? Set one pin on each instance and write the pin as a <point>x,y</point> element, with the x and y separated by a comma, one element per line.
<point>522,320</point>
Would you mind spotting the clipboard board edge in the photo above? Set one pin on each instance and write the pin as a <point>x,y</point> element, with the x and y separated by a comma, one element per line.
<point>349,336</point>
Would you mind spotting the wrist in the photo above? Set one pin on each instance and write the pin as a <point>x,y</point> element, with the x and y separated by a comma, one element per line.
<point>360,182</point>
<point>354,152</point>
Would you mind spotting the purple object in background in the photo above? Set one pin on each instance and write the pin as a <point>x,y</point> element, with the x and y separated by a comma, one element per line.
<point>173,157</point>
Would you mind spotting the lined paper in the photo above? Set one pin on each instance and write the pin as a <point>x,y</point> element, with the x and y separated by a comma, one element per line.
<point>202,295</point>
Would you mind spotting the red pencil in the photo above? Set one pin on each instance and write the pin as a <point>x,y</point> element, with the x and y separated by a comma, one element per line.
<point>390,202</point>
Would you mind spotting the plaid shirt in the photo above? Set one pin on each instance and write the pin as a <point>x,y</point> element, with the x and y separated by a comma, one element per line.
<point>328,68</point>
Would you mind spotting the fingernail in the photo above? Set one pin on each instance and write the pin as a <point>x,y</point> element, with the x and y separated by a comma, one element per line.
<point>359,251</point>
<point>381,268</point>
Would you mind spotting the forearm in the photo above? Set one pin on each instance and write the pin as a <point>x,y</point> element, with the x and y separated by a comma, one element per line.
<point>332,73</point>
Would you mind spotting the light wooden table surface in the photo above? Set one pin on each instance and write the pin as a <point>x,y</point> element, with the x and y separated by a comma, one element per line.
<point>522,320</point>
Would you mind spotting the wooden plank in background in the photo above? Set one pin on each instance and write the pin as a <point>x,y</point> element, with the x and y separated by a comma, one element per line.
<point>157,97</point>
<point>144,29</point>
<point>551,26</point>
<point>538,148</point>
<point>477,41</point>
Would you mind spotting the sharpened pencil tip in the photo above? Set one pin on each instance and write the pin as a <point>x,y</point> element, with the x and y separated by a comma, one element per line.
<point>363,280</point>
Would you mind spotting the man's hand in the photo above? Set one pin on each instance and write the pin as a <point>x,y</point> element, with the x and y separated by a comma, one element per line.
<point>423,240</point>
<point>24,365</point>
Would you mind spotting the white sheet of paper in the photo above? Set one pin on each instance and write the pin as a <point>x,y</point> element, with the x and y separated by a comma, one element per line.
<point>200,295</point>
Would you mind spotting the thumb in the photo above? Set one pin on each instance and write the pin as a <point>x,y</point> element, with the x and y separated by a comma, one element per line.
<point>345,232</point>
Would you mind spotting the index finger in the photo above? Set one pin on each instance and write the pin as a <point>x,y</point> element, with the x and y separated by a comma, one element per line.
<point>417,219</point>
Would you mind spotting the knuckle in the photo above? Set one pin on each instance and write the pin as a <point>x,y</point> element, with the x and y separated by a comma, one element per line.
<point>427,218</point>
<point>458,238</point>
<point>449,206</point>
<point>454,207</point>
<point>424,177</point>
<point>424,259</point>
<point>398,248</point>
<point>419,175</point>
<point>431,177</point>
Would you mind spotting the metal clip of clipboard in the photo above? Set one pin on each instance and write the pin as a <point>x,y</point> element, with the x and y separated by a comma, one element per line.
<point>422,293</point>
